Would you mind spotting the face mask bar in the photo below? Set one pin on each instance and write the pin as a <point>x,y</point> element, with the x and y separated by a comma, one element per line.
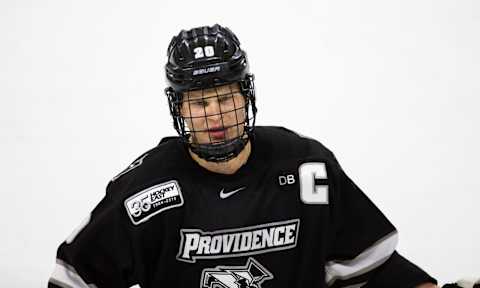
<point>215,125</point>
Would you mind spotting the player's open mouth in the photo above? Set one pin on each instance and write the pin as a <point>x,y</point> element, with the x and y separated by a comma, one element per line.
<point>217,133</point>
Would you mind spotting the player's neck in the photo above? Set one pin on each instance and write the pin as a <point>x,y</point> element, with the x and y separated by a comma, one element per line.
<point>229,167</point>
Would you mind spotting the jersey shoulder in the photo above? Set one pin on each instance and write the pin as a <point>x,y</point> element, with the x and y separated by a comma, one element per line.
<point>286,142</point>
<point>164,161</point>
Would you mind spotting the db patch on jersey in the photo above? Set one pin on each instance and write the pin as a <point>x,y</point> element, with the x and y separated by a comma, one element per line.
<point>153,200</point>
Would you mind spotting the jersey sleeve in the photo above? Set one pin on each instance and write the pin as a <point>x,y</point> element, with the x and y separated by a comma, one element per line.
<point>97,254</point>
<point>362,249</point>
<point>398,272</point>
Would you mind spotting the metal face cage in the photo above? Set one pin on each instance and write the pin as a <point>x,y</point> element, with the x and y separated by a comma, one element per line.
<point>216,122</point>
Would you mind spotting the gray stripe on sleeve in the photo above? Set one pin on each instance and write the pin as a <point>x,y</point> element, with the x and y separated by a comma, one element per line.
<point>368,260</point>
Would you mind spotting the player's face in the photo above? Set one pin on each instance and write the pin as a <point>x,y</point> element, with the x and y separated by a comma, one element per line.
<point>214,115</point>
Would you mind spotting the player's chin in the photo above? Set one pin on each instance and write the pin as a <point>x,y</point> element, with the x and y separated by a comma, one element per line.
<point>218,137</point>
<point>206,138</point>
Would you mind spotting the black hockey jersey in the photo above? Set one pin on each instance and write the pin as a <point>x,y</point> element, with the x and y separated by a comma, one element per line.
<point>289,217</point>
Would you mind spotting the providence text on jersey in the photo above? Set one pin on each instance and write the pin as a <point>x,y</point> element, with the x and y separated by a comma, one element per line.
<point>197,244</point>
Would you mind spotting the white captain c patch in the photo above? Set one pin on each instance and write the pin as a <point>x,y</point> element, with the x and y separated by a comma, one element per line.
<point>153,200</point>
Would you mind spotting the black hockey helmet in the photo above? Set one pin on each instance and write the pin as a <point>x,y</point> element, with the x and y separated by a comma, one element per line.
<point>202,58</point>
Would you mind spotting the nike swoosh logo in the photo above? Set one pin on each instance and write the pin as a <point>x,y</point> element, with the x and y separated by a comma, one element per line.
<point>224,195</point>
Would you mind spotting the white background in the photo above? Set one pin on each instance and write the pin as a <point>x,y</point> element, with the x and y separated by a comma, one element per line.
<point>391,87</point>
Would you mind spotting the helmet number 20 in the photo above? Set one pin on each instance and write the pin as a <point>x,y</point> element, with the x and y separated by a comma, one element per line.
<point>310,192</point>
<point>201,52</point>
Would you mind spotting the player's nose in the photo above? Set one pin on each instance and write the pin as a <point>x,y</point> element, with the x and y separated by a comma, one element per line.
<point>213,109</point>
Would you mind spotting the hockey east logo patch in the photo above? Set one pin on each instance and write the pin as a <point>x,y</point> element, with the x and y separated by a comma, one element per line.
<point>197,244</point>
<point>252,275</point>
<point>153,200</point>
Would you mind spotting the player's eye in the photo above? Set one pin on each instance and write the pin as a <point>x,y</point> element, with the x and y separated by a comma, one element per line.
<point>224,98</point>
<point>199,102</point>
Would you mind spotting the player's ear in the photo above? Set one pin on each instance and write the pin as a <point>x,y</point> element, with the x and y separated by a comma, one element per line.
<point>184,103</point>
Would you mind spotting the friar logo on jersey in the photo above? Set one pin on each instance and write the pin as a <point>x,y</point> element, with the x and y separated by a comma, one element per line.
<point>252,275</point>
<point>197,244</point>
<point>153,200</point>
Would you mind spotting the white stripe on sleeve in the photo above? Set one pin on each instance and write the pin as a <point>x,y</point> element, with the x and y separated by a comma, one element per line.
<point>65,275</point>
<point>368,260</point>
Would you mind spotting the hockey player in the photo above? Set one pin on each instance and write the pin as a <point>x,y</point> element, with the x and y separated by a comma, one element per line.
<point>227,204</point>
